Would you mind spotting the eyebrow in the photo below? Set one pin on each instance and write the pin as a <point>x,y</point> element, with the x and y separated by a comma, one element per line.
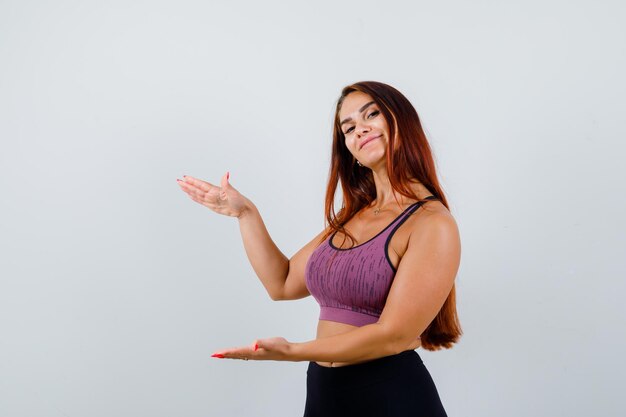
<point>360,110</point>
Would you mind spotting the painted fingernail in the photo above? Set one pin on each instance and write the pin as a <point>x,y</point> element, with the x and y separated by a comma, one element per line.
<point>256,346</point>
<point>217,355</point>
<point>227,175</point>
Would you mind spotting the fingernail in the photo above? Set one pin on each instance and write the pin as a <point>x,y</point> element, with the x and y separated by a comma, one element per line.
<point>227,175</point>
<point>256,346</point>
<point>217,355</point>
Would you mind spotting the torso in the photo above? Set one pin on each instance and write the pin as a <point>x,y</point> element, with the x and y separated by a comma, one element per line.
<point>365,225</point>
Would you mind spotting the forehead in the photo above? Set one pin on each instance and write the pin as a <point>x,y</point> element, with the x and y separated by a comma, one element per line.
<point>352,103</point>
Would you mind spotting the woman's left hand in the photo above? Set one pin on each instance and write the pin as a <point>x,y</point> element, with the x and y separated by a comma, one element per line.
<point>272,349</point>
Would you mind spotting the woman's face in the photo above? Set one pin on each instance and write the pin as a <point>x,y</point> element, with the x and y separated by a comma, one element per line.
<point>365,129</point>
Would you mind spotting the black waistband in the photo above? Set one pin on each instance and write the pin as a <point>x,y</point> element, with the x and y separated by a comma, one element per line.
<point>379,368</point>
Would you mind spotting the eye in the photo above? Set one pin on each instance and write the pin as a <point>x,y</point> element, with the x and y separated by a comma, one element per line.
<point>374,113</point>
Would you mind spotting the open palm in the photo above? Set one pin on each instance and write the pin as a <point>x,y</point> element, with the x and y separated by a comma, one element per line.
<point>224,199</point>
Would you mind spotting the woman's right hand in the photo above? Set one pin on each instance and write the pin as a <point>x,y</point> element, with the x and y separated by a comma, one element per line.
<point>223,200</point>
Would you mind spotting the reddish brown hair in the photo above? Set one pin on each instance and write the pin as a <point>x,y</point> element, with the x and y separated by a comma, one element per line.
<point>409,158</point>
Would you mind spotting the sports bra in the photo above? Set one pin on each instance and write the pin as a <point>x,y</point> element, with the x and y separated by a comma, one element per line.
<point>351,284</point>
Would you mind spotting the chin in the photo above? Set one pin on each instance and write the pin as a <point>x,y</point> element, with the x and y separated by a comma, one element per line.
<point>377,159</point>
<point>375,163</point>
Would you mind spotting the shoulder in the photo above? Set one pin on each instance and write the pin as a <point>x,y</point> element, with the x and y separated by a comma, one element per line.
<point>430,226</point>
<point>434,243</point>
<point>433,220</point>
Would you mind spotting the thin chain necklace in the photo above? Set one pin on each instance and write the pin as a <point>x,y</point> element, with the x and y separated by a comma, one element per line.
<point>377,210</point>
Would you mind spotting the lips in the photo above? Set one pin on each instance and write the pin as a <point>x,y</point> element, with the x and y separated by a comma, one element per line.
<point>368,139</point>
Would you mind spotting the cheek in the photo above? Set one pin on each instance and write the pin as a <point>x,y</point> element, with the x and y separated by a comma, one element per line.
<point>350,144</point>
<point>384,127</point>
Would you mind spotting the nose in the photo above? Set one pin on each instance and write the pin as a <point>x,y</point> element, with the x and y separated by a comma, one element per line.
<point>362,128</point>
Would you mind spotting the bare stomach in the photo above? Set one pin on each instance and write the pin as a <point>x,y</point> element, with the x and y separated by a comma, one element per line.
<point>326,328</point>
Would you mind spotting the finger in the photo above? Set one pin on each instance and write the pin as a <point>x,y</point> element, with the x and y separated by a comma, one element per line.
<point>197,199</point>
<point>223,354</point>
<point>200,191</point>
<point>192,182</point>
<point>236,353</point>
<point>225,185</point>
<point>187,185</point>
<point>224,182</point>
<point>225,179</point>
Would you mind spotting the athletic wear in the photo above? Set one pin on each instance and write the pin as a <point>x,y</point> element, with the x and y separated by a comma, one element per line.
<point>392,386</point>
<point>351,285</point>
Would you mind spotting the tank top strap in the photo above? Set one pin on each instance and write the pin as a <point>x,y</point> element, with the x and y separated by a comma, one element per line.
<point>402,217</point>
<point>413,208</point>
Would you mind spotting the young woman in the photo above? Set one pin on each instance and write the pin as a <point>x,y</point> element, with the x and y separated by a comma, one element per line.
<point>382,270</point>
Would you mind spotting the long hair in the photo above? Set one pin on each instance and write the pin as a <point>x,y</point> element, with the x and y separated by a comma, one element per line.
<point>409,158</point>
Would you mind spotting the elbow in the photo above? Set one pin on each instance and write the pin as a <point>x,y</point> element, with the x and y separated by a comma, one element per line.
<point>276,297</point>
<point>398,345</point>
<point>397,341</point>
<point>279,293</point>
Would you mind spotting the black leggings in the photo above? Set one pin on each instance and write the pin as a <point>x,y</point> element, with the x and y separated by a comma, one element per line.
<point>393,386</point>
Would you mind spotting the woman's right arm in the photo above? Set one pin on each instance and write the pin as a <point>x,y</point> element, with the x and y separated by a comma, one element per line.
<point>282,278</point>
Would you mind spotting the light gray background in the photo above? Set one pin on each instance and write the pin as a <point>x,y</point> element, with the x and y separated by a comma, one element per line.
<point>116,287</point>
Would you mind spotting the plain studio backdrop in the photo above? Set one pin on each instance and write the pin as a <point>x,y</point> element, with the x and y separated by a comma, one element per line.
<point>116,287</point>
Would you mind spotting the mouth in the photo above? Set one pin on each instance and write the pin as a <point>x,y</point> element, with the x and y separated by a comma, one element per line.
<point>367,140</point>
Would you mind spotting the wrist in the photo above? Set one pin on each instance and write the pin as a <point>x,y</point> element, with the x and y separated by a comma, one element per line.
<point>247,210</point>
<point>294,352</point>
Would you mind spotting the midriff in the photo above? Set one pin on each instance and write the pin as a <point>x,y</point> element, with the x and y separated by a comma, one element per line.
<point>326,328</point>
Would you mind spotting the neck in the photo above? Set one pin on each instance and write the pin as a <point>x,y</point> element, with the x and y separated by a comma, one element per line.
<point>384,193</point>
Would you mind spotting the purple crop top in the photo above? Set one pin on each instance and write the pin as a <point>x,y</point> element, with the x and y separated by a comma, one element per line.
<point>351,285</point>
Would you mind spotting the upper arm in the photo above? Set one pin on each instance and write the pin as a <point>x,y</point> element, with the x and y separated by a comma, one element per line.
<point>424,278</point>
<point>295,286</point>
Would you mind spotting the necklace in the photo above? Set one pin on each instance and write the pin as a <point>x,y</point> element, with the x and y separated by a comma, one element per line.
<point>377,210</point>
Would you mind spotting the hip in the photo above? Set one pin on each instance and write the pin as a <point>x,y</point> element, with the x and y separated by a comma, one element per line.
<point>396,385</point>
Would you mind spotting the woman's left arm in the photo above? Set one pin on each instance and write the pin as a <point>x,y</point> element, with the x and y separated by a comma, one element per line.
<point>421,285</point>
